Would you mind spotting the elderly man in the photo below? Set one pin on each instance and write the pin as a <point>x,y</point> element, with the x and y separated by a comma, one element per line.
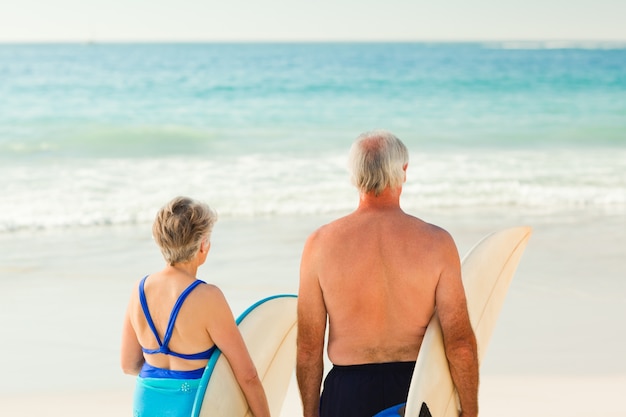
<point>376,276</point>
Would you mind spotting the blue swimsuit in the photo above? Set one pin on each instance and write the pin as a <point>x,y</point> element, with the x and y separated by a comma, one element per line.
<point>166,392</point>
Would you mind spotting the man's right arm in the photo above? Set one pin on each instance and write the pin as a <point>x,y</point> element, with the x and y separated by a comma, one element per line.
<point>458,336</point>
<point>311,333</point>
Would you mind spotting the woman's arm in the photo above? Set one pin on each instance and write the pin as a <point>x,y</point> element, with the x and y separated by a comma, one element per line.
<point>131,356</point>
<point>224,332</point>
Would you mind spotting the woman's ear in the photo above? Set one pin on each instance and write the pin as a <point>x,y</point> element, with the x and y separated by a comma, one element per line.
<point>205,246</point>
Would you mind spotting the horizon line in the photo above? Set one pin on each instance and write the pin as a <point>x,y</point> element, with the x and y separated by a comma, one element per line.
<point>312,41</point>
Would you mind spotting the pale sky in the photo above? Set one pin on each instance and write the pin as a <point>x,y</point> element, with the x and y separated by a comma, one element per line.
<point>311,20</point>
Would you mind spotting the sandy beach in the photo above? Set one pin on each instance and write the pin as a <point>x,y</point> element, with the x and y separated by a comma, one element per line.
<point>557,349</point>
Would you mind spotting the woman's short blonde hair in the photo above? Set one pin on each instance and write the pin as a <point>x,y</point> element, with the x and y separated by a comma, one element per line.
<point>180,227</point>
<point>377,161</point>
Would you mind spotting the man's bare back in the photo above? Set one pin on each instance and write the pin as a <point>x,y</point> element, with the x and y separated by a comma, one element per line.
<point>379,275</point>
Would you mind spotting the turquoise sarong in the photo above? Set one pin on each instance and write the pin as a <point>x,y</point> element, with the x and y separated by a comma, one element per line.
<point>164,397</point>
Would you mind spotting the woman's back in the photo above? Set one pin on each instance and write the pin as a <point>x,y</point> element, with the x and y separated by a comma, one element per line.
<point>176,305</point>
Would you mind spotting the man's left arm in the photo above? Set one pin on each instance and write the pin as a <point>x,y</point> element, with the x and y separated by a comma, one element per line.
<point>458,336</point>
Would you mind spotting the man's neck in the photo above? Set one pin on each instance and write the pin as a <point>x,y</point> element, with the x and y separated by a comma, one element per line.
<point>388,199</point>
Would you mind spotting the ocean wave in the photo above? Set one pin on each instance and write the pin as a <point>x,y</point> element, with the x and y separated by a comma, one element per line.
<point>57,193</point>
<point>556,44</point>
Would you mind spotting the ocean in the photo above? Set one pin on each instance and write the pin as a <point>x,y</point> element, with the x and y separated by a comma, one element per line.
<point>102,135</point>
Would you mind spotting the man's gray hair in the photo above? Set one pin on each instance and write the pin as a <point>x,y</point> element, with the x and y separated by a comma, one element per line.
<point>377,161</point>
<point>180,227</point>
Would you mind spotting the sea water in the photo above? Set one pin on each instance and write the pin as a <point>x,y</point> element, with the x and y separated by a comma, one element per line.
<point>102,135</point>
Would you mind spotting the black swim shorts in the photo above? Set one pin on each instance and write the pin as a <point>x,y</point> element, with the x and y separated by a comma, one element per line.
<point>364,390</point>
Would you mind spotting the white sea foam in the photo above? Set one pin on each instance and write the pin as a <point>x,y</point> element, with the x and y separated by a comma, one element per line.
<point>101,192</point>
<point>557,44</point>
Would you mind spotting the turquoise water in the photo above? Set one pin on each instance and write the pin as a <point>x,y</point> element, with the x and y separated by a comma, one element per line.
<point>104,134</point>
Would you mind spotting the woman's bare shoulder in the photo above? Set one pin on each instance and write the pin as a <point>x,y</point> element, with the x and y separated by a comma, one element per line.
<point>207,289</point>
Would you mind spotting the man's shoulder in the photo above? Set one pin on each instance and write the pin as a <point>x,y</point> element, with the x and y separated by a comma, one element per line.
<point>331,230</point>
<point>327,229</point>
<point>438,231</point>
<point>431,234</point>
<point>428,227</point>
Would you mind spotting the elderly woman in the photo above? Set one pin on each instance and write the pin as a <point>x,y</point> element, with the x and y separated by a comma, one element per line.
<point>174,321</point>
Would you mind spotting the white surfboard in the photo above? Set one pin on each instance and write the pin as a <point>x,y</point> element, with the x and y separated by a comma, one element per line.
<point>269,330</point>
<point>487,272</point>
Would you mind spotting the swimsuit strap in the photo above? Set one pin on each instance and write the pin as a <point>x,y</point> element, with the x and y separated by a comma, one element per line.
<point>146,312</point>
<point>176,309</point>
<point>195,356</point>
<point>163,346</point>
